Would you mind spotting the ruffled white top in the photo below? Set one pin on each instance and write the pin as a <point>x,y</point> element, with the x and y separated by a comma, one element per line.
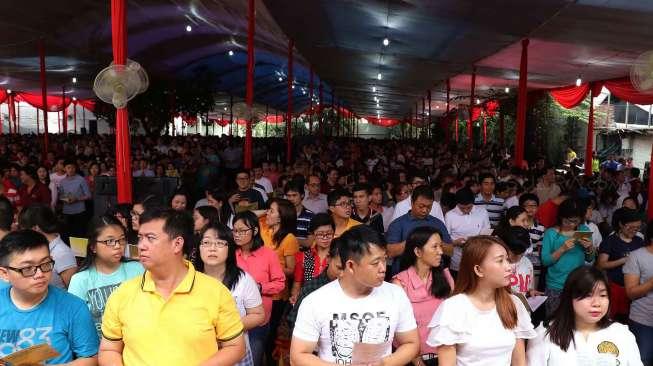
<point>479,336</point>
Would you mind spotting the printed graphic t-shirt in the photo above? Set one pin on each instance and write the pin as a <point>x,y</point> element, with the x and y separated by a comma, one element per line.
<point>336,321</point>
<point>94,287</point>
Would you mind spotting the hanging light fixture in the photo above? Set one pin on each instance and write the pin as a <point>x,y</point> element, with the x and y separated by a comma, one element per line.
<point>507,90</point>
<point>189,28</point>
<point>579,81</point>
<point>231,53</point>
<point>74,80</point>
<point>374,89</point>
<point>379,76</point>
<point>386,42</point>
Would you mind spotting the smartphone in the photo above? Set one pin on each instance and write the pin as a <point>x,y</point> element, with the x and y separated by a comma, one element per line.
<point>583,234</point>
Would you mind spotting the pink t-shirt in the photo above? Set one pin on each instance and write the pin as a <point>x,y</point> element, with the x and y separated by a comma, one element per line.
<point>263,265</point>
<point>424,304</point>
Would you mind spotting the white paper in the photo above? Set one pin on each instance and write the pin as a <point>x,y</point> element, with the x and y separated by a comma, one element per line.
<point>535,302</point>
<point>368,352</point>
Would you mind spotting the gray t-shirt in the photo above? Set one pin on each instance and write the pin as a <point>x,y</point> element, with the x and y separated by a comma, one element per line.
<point>640,263</point>
<point>64,259</point>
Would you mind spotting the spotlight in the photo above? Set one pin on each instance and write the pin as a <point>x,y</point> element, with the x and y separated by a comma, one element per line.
<point>386,42</point>
<point>379,76</point>
<point>231,53</point>
<point>579,81</point>
<point>507,90</point>
<point>74,80</point>
<point>189,28</point>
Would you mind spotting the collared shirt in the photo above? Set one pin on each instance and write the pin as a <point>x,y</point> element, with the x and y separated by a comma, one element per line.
<point>495,208</point>
<point>182,330</point>
<point>402,207</point>
<point>350,224</point>
<point>462,225</point>
<point>303,222</point>
<point>319,264</point>
<point>307,289</point>
<point>373,219</point>
<point>316,204</point>
<point>400,228</point>
<point>73,187</point>
<point>263,265</point>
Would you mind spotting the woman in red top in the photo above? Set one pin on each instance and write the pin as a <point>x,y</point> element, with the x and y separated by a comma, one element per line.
<point>311,263</point>
<point>32,190</point>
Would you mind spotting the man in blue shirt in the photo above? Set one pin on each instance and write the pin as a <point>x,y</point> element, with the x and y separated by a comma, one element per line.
<point>399,229</point>
<point>32,312</point>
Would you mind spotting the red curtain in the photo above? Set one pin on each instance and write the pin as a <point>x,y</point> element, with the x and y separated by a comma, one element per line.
<point>3,95</point>
<point>88,104</point>
<point>570,96</point>
<point>273,119</point>
<point>54,102</point>
<point>622,88</point>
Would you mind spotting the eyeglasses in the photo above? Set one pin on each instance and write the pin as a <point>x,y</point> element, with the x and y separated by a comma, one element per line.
<point>240,232</point>
<point>112,243</point>
<point>633,227</point>
<point>323,235</point>
<point>135,214</point>
<point>30,271</point>
<point>218,244</point>
<point>345,204</point>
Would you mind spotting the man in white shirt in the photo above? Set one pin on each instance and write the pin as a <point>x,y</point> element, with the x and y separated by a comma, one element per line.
<point>402,207</point>
<point>465,220</point>
<point>314,200</point>
<point>547,188</point>
<point>359,307</point>
<point>262,181</point>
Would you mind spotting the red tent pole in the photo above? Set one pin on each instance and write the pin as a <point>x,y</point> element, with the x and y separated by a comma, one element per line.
<point>447,129</point>
<point>123,150</point>
<point>470,138</point>
<point>289,116</point>
<point>64,111</point>
<point>38,129</point>
<point>18,118</point>
<point>520,131</point>
<point>58,122</point>
<point>44,91</point>
<point>589,144</point>
<point>249,96</point>
<point>12,113</point>
<point>310,97</point>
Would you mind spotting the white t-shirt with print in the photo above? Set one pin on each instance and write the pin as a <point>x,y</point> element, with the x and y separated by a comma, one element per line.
<point>521,281</point>
<point>479,336</point>
<point>336,321</point>
<point>614,345</point>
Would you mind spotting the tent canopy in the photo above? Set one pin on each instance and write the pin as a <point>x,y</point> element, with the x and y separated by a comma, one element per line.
<point>430,41</point>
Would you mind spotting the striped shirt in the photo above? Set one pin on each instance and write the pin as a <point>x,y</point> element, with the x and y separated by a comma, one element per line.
<point>495,208</point>
<point>536,232</point>
<point>303,222</point>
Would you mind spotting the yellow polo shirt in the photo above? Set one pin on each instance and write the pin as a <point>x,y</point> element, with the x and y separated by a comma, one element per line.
<point>183,330</point>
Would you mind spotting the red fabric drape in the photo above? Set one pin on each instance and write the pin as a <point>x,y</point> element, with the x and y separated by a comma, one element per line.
<point>249,95</point>
<point>456,124</point>
<point>570,97</point>
<point>88,104</point>
<point>38,128</point>
<point>520,130</point>
<point>622,88</point>
<point>383,122</point>
<point>3,95</point>
<point>64,115</point>
<point>291,45</point>
<point>123,150</point>
<point>12,113</point>
<point>54,102</point>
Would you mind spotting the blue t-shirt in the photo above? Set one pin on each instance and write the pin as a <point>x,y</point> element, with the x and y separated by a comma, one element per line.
<point>61,320</point>
<point>94,287</point>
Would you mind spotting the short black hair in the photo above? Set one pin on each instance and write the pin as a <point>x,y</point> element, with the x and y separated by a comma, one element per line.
<point>356,242</point>
<point>176,223</point>
<point>362,187</point>
<point>517,238</point>
<point>528,197</point>
<point>29,171</point>
<point>321,219</point>
<point>336,194</point>
<point>484,176</point>
<point>464,196</point>
<point>422,191</point>
<point>295,186</point>
<point>38,215</point>
<point>6,213</point>
<point>18,242</point>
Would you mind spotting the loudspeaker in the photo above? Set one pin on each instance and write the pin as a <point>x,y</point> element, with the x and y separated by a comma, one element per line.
<point>160,189</point>
<point>92,126</point>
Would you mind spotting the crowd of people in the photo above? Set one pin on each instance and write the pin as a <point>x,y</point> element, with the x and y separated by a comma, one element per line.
<point>362,252</point>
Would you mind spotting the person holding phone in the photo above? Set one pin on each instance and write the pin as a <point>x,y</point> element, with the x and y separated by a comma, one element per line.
<point>563,251</point>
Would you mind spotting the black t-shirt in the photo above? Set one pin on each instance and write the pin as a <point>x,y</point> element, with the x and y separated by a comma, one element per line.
<point>616,248</point>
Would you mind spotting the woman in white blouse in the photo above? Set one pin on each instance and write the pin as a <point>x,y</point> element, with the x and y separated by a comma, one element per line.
<point>580,332</point>
<point>482,324</point>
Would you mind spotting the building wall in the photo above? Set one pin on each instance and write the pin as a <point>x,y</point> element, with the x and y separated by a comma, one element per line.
<point>641,145</point>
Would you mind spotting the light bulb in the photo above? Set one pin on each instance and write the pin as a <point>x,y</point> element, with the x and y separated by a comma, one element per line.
<point>280,78</point>
<point>231,53</point>
<point>74,98</point>
<point>379,76</point>
<point>386,42</point>
<point>189,28</point>
<point>74,80</point>
<point>225,108</point>
<point>374,89</point>
<point>8,91</point>
<point>579,81</point>
<point>293,87</point>
<point>478,101</point>
<point>507,89</point>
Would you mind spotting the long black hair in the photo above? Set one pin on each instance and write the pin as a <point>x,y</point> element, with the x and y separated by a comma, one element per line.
<point>440,287</point>
<point>287,220</point>
<point>232,272</point>
<point>225,212</point>
<point>511,214</point>
<point>579,284</point>
<point>251,221</point>
<point>95,229</point>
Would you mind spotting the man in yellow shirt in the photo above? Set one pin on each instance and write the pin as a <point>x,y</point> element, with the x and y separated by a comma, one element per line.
<point>340,207</point>
<point>172,314</point>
